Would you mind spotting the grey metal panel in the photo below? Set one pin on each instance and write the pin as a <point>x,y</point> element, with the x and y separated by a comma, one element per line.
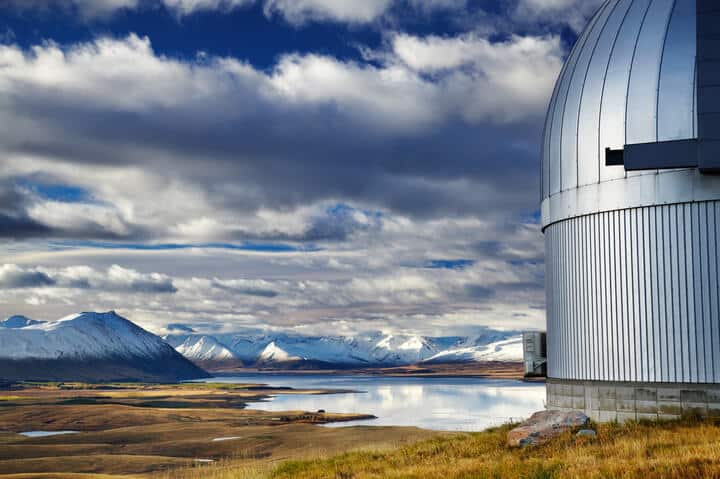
<point>667,154</point>
<point>614,97</point>
<point>653,274</point>
<point>631,78</point>
<point>708,153</point>
<point>707,92</point>
<point>569,140</point>
<point>557,106</point>
<point>666,187</point>
<point>704,296</point>
<point>545,153</point>
<point>676,115</point>
<point>713,235</point>
<point>709,100</point>
<point>556,125</point>
<point>654,314</point>
<point>588,157</point>
<point>641,120</point>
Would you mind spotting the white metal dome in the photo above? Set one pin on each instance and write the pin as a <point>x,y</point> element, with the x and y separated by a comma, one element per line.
<point>631,214</point>
<point>631,78</point>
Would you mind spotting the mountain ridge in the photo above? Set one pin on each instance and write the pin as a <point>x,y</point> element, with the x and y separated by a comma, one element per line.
<point>90,346</point>
<point>375,349</point>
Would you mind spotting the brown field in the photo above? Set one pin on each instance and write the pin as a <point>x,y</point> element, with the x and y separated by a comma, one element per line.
<point>136,430</point>
<point>488,370</point>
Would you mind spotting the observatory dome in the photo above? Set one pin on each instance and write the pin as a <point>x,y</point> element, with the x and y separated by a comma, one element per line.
<point>631,214</point>
<point>630,79</point>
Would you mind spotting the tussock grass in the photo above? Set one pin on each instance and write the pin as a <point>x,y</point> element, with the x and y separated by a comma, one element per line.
<point>221,470</point>
<point>675,450</point>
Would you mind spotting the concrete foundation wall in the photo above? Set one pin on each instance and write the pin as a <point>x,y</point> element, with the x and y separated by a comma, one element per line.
<point>605,401</point>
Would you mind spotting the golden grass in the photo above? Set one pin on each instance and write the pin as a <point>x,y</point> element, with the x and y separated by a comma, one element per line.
<point>678,450</point>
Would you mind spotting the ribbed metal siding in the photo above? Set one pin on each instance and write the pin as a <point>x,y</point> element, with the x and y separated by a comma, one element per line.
<point>633,295</point>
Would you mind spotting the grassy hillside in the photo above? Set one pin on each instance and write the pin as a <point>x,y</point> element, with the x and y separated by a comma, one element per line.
<point>682,450</point>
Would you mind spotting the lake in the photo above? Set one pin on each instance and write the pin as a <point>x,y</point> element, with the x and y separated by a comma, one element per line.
<point>448,404</point>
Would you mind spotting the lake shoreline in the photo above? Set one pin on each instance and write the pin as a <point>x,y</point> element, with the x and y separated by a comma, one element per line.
<point>493,370</point>
<point>451,403</point>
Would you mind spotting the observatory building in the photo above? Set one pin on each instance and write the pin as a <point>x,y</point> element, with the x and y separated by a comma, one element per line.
<point>631,214</point>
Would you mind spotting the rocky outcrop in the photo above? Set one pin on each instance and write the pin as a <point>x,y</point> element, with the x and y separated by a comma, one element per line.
<point>545,425</point>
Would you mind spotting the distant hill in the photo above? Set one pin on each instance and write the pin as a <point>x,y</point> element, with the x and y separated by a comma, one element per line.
<point>289,351</point>
<point>88,347</point>
<point>15,322</point>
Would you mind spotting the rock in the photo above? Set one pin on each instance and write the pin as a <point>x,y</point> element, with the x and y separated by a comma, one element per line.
<point>586,433</point>
<point>545,425</point>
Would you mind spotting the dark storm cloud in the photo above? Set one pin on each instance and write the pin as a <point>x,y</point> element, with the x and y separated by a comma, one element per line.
<point>316,155</point>
<point>423,147</point>
<point>244,289</point>
<point>16,228</point>
<point>17,223</point>
<point>12,279</point>
<point>152,286</point>
<point>14,221</point>
<point>479,293</point>
<point>179,327</point>
<point>340,222</point>
<point>114,279</point>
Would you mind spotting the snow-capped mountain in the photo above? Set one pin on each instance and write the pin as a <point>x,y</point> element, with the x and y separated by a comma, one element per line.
<point>204,348</point>
<point>15,322</point>
<point>363,350</point>
<point>509,350</point>
<point>89,346</point>
<point>273,354</point>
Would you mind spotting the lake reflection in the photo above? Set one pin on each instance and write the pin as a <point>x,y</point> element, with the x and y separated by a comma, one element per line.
<point>452,404</point>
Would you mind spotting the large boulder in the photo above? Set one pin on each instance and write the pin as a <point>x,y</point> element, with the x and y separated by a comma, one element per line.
<point>544,425</point>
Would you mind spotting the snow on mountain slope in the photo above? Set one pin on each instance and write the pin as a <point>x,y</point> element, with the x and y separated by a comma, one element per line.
<point>204,348</point>
<point>84,335</point>
<point>403,349</point>
<point>246,346</point>
<point>15,322</point>
<point>90,347</point>
<point>273,353</point>
<point>368,349</point>
<point>510,350</point>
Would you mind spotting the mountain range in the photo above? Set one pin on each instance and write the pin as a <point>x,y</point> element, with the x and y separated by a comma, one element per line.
<point>107,347</point>
<point>88,347</point>
<point>264,349</point>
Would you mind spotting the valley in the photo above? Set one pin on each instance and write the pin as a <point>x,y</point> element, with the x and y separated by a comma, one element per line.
<point>139,430</point>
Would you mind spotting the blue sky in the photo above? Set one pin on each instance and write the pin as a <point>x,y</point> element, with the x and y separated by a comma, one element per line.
<point>286,164</point>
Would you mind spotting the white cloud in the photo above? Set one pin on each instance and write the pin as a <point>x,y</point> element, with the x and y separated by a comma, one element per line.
<point>518,72</point>
<point>187,7</point>
<point>416,139</point>
<point>114,279</point>
<point>88,9</point>
<point>498,80</point>
<point>81,218</point>
<point>293,11</point>
<point>351,11</point>
<point>391,95</point>
<point>101,9</point>
<point>574,13</point>
<point>433,5</point>
<point>372,282</point>
<point>140,131</point>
